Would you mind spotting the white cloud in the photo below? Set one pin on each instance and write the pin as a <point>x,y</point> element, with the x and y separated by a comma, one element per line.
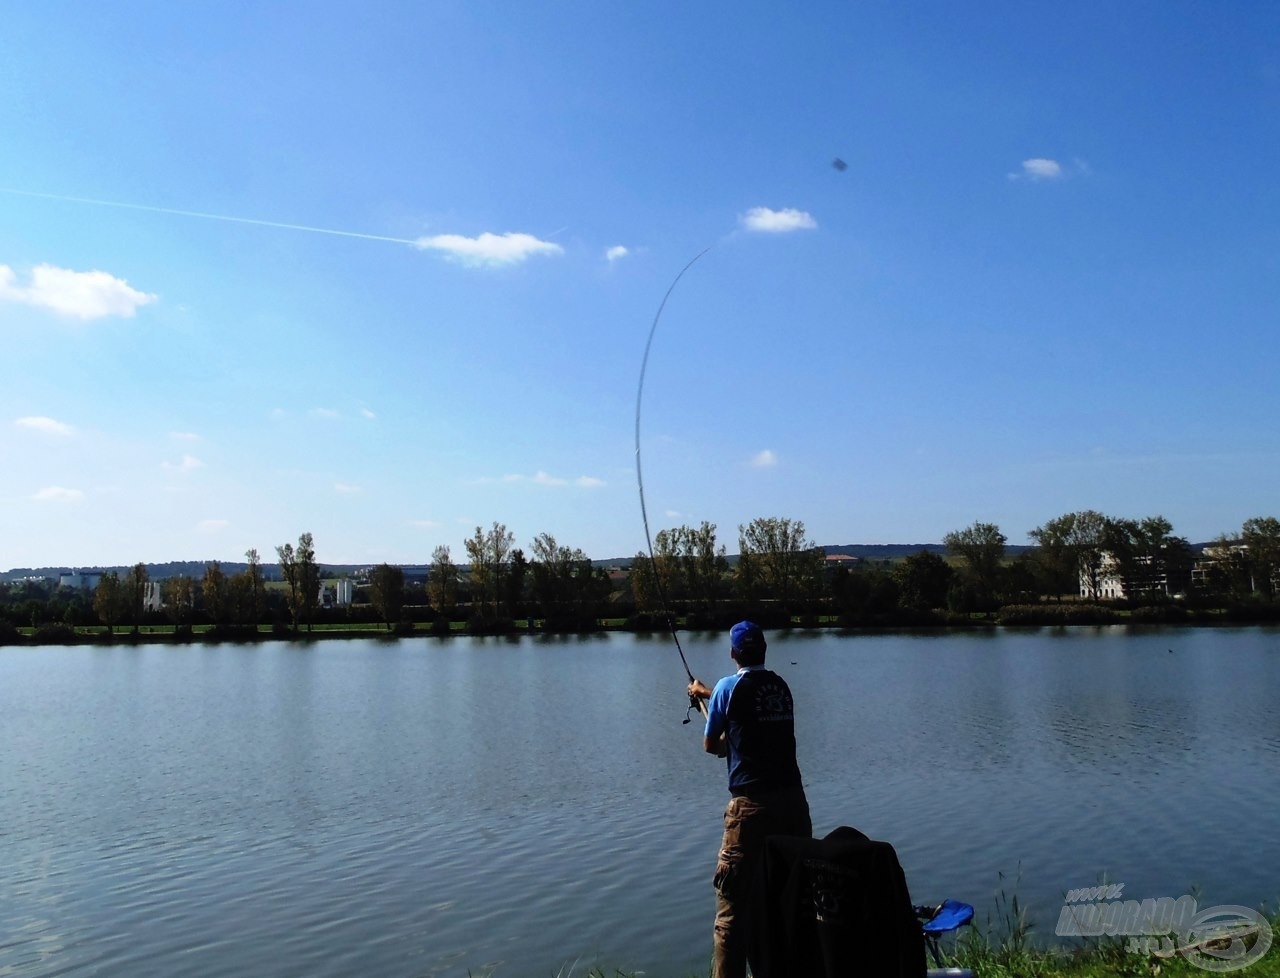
<point>489,249</point>
<point>766,459</point>
<point>1038,168</point>
<point>541,478</point>
<point>189,463</point>
<point>425,524</point>
<point>46,426</point>
<point>184,436</point>
<point>81,295</point>
<point>327,414</point>
<point>212,526</point>
<point>777,222</point>
<point>616,252</point>
<point>345,488</point>
<point>58,494</point>
<point>367,414</point>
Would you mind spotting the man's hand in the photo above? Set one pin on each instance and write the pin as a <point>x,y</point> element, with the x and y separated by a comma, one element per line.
<point>697,691</point>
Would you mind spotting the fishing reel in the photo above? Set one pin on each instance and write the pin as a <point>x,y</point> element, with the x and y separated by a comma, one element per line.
<point>694,704</point>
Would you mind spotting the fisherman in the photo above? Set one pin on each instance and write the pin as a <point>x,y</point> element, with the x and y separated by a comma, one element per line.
<point>750,721</point>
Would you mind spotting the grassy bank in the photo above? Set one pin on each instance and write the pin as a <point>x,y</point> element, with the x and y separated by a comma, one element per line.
<point>1001,946</point>
<point>1094,958</point>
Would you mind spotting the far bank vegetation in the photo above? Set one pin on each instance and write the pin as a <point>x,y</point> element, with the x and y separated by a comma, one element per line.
<point>1080,568</point>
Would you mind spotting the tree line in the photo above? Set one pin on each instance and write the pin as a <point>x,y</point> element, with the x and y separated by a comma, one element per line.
<point>778,574</point>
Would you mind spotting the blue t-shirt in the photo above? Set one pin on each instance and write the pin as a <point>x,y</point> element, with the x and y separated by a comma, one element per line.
<point>754,710</point>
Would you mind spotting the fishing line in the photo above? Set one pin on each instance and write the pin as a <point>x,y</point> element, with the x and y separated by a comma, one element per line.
<point>653,564</point>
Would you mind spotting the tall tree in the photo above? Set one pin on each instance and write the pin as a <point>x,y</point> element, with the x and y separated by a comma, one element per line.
<point>1261,535</point>
<point>513,582</point>
<point>179,599</point>
<point>565,584</point>
<point>1226,568</point>
<point>109,600</point>
<point>550,568</point>
<point>136,589</point>
<point>643,584</point>
<point>704,564</point>
<point>1055,556</point>
<point>1149,560</point>
<point>289,571</point>
<point>981,547</point>
<point>257,590</point>
<point>1071,552</point>
<point>386,592</point>
<point>778,556</point>
<point>1088,541</point>
<point>489,553</point>
<point>442,581</point>
<point>666,566</point>
<point>923,580</point>
<point>302,576</point>
<point>310,573</point>
<point>216,591</point>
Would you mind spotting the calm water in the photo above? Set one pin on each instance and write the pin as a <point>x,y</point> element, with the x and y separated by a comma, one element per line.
<point>520,808</point>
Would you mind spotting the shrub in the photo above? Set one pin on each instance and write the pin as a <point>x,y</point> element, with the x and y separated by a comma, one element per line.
<point>1056,614</point>
<point>55,633</point>
<point>1158,614</point>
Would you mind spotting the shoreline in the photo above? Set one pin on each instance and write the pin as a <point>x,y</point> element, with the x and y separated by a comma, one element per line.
<point>1014,618</point>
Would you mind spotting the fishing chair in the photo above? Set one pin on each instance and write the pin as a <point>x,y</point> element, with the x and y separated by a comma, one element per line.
<point>948,916</point>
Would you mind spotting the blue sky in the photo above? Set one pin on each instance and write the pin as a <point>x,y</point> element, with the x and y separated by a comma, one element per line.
<point>1047,280</point>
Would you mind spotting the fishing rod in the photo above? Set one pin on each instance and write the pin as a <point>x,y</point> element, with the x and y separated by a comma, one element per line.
<point>694,702</point>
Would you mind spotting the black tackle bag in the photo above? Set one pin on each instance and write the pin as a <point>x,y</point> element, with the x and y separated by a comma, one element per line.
<point>835,907</point>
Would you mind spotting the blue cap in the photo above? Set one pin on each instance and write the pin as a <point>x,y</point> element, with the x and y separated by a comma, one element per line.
<point>747,635</point>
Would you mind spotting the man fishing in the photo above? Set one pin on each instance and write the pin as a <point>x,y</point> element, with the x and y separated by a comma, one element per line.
<point>750,721</point>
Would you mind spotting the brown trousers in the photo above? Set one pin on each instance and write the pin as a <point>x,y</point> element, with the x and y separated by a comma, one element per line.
<point>747,823</point>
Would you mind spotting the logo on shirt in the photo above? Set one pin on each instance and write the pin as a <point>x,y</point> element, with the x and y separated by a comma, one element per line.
<point>773,702</point>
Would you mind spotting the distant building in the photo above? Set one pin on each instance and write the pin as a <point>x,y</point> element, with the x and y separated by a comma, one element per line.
<point>337,594</point>
<point>1150,576</point>
<point>80,580</point>
<point>152,597</point>
<point>831,561</point>
<point>1211,557</point>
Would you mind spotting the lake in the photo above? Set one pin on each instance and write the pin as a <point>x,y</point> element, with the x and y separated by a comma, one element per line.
<point>535,806</point>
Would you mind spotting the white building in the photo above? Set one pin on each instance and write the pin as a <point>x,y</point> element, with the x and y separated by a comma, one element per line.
<point>337,594</point>
<point>80,580</point>
<point>152,596</point>
<point>1108,585</point>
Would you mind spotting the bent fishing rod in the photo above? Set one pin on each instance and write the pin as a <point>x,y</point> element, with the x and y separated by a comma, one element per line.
<point>694,702</point>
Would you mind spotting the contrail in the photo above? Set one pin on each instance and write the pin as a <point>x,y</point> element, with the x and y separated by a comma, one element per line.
<point>211,217</point>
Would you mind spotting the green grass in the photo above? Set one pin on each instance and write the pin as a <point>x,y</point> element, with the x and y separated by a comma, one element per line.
<point>1002,947</point>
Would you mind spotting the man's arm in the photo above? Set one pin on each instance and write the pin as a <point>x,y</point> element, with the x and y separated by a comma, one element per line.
<point>712,745</point>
